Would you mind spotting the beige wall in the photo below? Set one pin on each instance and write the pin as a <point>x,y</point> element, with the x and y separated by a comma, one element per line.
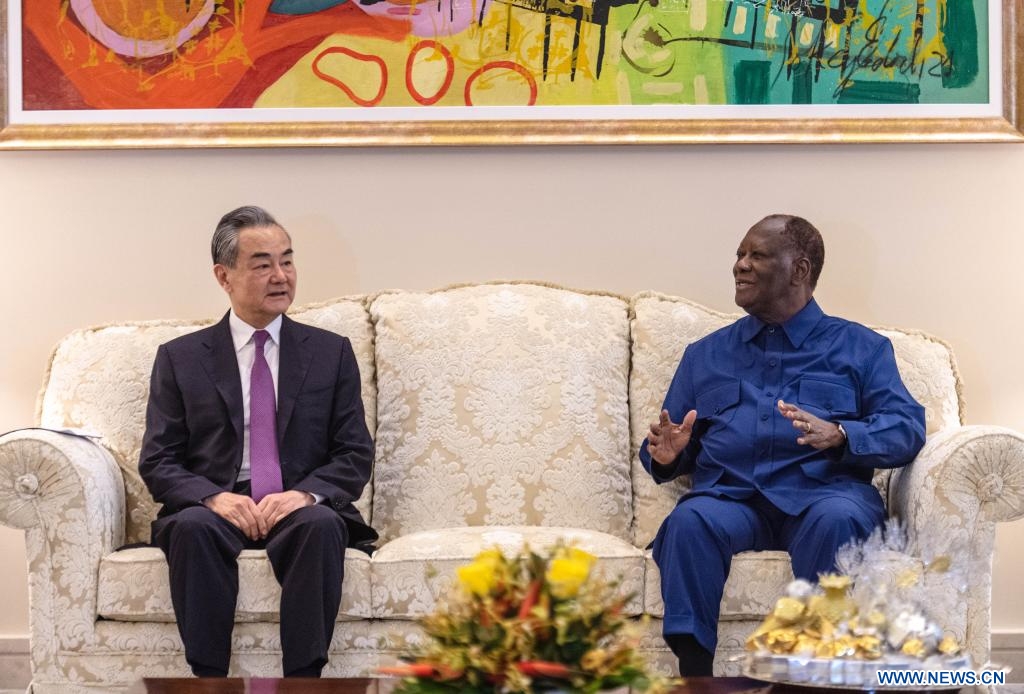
<point>917,236</point>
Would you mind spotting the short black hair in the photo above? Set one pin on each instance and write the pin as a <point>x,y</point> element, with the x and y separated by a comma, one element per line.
<point>805,239</point>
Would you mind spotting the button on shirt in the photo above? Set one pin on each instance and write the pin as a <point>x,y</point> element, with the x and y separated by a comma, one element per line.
<point>245,351</point>
<point>832,368</point>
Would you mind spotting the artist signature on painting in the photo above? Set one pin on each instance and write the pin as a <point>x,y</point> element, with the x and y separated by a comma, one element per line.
<point>880,53</point>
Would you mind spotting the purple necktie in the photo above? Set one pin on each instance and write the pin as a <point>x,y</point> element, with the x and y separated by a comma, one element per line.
<point>264,463</point>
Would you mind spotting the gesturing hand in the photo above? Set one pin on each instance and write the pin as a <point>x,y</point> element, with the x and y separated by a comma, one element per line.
<point>814,431</point>
<point>667,440</point>
<point>274,507</point>
<point>241,511</point>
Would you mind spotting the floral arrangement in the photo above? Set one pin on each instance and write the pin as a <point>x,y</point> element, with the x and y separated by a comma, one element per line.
<point>881,610</point>
<point>525,623</point>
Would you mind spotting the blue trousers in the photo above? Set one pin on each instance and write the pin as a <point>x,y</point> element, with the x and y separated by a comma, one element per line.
<point>695,545</point>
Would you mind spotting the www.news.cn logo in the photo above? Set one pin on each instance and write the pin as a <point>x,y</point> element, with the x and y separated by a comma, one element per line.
<point>940,678</point>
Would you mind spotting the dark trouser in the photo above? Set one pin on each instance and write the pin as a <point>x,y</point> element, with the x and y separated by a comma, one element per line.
<point>306,550</point>
<point>696,543</point>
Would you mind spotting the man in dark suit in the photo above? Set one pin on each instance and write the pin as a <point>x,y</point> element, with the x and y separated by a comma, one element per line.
<point>781,419</point>
<point>256,438</point>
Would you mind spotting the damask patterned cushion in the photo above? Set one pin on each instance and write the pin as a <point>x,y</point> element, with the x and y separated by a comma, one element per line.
<point>98,380</point>
<point>413,573</point>
<point>756,581</point>
<point>133,587</point>
<point>662,327</point>
<point>122,653</point>
<point>929,370</point>
<point>502,404</point>
<point>732,636</point>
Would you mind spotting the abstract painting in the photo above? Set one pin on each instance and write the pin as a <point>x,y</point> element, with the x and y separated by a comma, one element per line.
<point>171,61</point>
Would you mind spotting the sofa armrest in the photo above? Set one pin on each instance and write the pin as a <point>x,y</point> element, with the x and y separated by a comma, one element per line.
<point>67,493</point>
<point>964,481</point>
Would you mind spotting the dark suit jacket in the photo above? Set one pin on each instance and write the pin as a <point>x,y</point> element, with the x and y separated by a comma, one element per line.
<point>194,422</point>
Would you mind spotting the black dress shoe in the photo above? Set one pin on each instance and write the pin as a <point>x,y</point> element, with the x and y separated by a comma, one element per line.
<point>694,659</point>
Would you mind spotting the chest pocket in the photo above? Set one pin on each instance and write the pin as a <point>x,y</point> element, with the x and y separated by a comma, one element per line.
<point>719,405</point>
<point>827,400</point>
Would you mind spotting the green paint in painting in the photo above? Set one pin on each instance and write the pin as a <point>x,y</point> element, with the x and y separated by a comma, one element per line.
<point>802,83</point>
<point>875,92</point>
<point>751,81</point>
<point>960,34</point>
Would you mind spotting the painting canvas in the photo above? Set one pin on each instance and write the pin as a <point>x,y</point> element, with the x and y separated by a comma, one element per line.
<point>170,61</point>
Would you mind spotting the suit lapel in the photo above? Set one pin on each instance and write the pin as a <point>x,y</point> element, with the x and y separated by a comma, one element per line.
<point>221,365</point>
<point>293,363</point>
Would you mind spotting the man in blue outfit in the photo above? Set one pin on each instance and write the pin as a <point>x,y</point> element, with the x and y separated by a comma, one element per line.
<point>781,419</point>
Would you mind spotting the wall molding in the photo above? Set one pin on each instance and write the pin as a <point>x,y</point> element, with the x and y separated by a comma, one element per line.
<point>15,667</point>
<point>1008,651</point>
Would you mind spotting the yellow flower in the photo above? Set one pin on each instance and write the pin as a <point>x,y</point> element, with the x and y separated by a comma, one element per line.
<point>480,577</point>
<point>491,556</point>
<point>568,571</point>
<point>594,659</point>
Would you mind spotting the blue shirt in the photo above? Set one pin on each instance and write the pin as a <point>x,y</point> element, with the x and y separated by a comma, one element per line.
<point>835,369</point>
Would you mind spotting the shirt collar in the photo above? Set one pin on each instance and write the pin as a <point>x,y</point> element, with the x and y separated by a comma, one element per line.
<point>241,332</point>
<point>796,328</point>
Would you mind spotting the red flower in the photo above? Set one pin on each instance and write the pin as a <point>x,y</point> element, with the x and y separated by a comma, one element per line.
<point>544,668</point>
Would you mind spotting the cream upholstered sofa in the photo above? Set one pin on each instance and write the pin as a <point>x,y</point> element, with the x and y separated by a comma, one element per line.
<point>503,414</point>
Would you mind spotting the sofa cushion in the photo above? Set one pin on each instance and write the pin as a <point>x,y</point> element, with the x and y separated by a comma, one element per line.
<point>661,328</point>
<point>756,581</point>
<point>502,404</point>
<point>133,587</point>
<point>98,380</point>
<point>929,370</point>
<point>413,573</point>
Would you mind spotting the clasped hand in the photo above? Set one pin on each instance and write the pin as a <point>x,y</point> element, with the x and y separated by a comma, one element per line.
<point>667,439</point>
<point>256,520</point>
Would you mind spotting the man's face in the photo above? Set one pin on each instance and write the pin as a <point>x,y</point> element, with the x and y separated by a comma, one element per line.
<point>764,272</point>
<point>261,285</point>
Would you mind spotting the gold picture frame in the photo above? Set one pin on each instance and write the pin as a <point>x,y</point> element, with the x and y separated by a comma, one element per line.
<point>1006,125</point>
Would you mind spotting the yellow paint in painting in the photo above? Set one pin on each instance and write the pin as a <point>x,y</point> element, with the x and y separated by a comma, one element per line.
<point>92,60</point>
<point>428,71</point>
<point>698,14</point>
<point>700,89</point>
<point>500,86</point>
<point>662,88</point>
<point>147,20</point>
<point>471,49</point>
<point>935,47</point>
<point>806,33</point>
<point>301,87</point>
<point>739,24</point>
<point>771,25</point>
<point>364,76</point>
<point>622,86</point>
<point>832,34</point>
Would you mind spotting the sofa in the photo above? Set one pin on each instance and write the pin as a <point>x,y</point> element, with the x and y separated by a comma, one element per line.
<point>504,414</point>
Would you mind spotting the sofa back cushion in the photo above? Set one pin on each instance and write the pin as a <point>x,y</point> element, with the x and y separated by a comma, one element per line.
<point>662,327</point>
<point>98,381</point>
<point>502,404</point>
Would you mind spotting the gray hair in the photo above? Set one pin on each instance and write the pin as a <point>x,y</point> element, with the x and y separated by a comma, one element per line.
<point>224,246</point>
